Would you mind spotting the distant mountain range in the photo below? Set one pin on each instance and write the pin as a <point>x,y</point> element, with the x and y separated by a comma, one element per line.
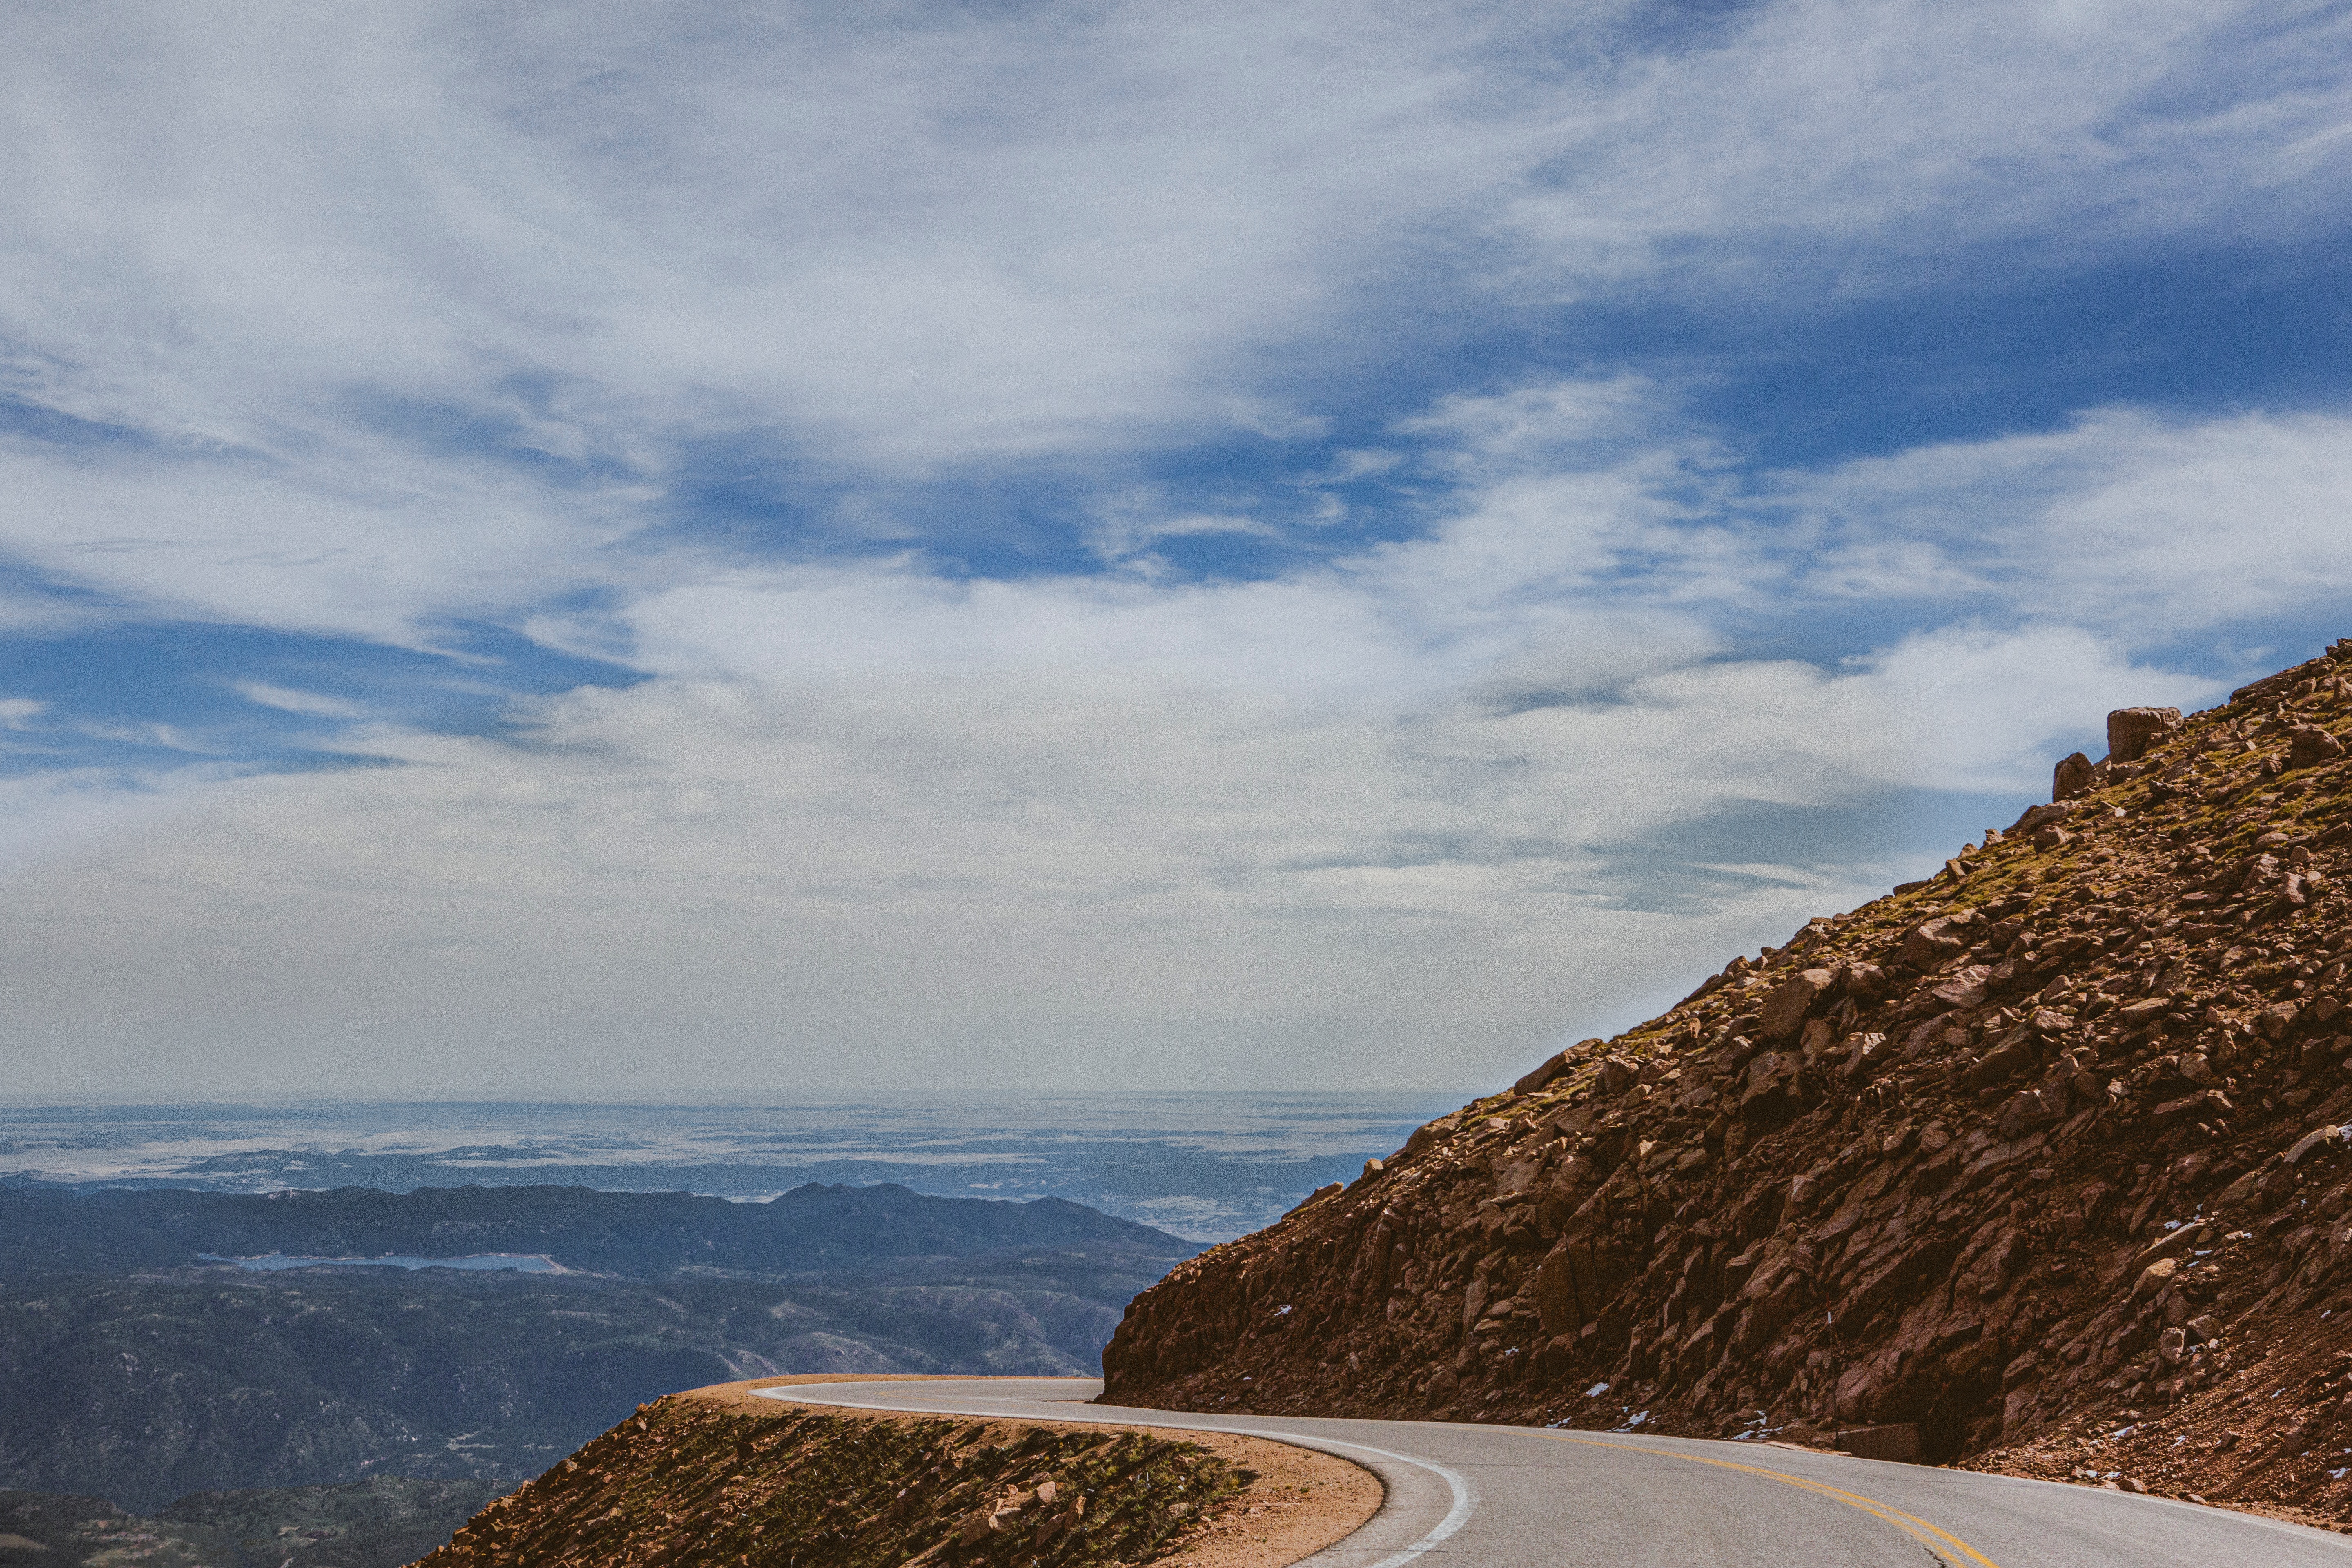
<point>810,1229</point>
<point>132,1370</point>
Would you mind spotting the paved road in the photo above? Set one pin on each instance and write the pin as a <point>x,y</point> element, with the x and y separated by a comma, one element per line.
<point>1500,1497</point>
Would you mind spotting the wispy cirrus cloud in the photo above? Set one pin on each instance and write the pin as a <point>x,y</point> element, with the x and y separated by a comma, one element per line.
<point>1444,789</point>
<point>908,238</point>
<point>1302,534</point>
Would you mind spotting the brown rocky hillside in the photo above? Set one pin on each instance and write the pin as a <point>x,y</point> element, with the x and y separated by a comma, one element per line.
<point>716,1477</point>
<point>2043,1155</point>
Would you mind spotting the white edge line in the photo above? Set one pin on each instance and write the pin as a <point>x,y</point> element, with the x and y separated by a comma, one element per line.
<point>1466,1497</point>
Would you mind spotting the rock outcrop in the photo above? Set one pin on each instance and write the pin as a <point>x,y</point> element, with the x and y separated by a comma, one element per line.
<point>2044,1157</point>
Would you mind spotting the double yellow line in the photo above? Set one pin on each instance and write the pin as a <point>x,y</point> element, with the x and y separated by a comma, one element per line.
<point>1940,1541</point>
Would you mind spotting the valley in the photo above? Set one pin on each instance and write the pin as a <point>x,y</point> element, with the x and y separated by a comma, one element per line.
<point>133,1371</point>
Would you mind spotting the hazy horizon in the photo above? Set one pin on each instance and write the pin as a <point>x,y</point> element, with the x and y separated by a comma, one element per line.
<point>1207,1167</point>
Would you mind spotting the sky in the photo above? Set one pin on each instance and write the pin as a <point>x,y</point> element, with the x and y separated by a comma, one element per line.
<point>611,549</point>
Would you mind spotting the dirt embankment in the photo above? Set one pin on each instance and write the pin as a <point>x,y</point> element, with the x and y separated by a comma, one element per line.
<point>2045,1155</point>
<point>718,1477</point>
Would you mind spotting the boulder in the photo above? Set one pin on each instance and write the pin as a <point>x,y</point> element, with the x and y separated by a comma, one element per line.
<point>2178,1243</point>
<point>2318,1138</point>
<point>1929,943</point>
<point>1618,1075</point>
<point>2308,745</point>
<point>1792,999</point>
<point>1428,1135</point>
<point>2036,816</point>
<point>2130,731</point>
<point>2155,1277</point>
<point>1768,1094</point>
<point>2030,1110</point>
<point>1866,1054</point>
<point>2015,1052</point>
<point>1867,982</point>
<point>1331,1191</point>
<point>1550,1068</point>
<point>2204,1103</point>
<point>2070,778</point>
<point>1821,1037</point>
<point>1965,988</point>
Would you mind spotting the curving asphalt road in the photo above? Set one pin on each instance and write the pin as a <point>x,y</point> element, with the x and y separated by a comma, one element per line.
<point>1499,1497</point>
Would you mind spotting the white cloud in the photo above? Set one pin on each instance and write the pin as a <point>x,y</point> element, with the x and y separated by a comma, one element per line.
<point>310,704</point>
<point>1127,525</point>
<point>1116,879</point>
<point>902,237</point>
<point>335,273</point>
<point>49,818</point>
<point>1408,816</point>
<point>1911,132</point>
<point>2125,520</point>
<point>764,882</point>
<point>378,545</point>
<point>18,712</point>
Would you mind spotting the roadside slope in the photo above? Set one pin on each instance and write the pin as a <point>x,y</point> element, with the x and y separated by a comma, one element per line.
<point>719,1476</point>
<point>2039,1150</point>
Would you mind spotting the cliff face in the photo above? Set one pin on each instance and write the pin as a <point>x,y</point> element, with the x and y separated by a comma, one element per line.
<point>2044,1147</point>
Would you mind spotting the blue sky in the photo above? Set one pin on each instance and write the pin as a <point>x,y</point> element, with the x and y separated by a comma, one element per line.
<point>784,546</point>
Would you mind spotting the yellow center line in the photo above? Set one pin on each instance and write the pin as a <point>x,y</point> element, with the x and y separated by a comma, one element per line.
<point>1918,1529</point>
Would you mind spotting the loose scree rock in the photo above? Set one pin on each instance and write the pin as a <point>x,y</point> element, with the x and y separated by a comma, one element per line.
<point>2044,1156</point>
<point>712,1477</point>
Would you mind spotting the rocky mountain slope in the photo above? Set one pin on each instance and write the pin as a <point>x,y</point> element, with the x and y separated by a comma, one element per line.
<point>718,1475</point>
<point>2043,1155</point>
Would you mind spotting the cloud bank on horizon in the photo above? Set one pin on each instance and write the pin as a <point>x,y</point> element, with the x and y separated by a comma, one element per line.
<point>595,548</point>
